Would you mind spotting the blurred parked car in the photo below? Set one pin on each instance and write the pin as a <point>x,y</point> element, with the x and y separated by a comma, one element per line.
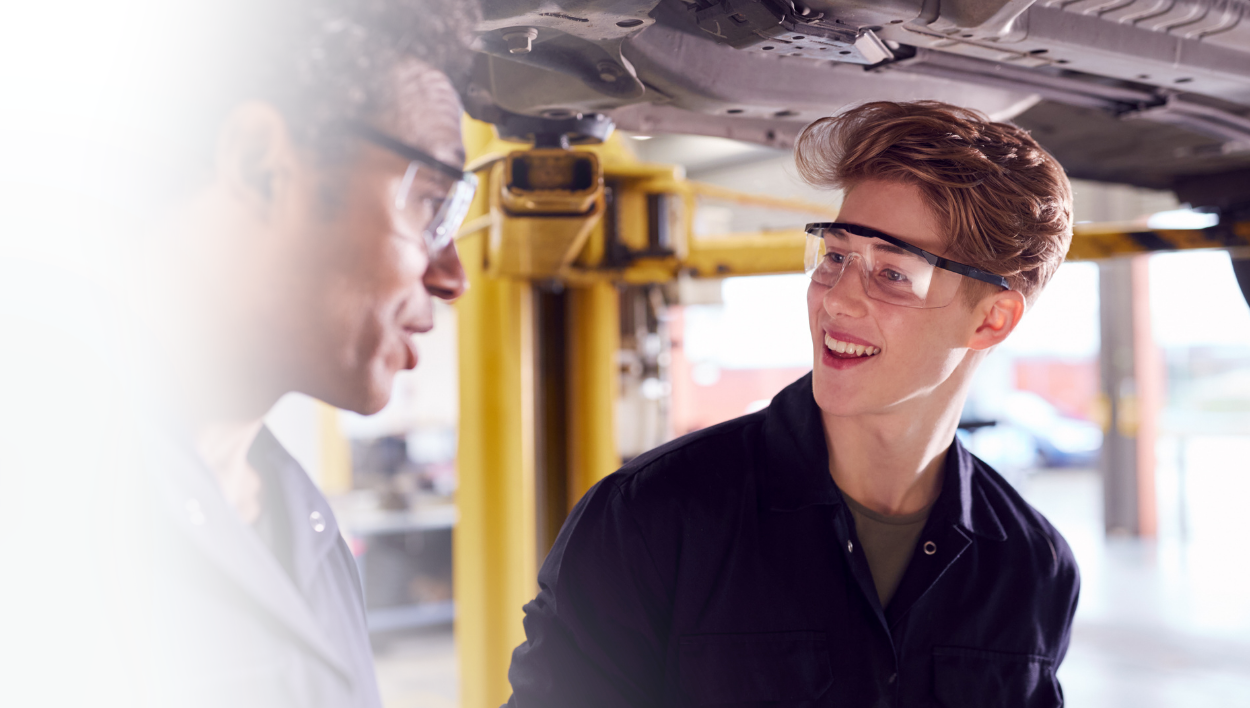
<point>1028,433</point>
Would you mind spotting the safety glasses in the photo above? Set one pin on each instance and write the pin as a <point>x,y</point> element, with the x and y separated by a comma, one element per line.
<point>434,197</point>
<point>893,270</point>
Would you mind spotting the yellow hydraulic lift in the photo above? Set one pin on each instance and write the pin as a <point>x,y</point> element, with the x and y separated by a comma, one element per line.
<point>556,235</point>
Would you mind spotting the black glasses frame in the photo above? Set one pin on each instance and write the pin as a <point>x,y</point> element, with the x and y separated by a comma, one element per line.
<point>404,150</point>
<point>933,259</point>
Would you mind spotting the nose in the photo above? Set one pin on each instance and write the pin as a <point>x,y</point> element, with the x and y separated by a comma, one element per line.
<point>445,278</point>
<point>848,295</point>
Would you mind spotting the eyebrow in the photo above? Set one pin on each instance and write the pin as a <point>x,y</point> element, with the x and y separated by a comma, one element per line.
<point>891,248</point>
<point>877,244</point>
<point>405,150</point>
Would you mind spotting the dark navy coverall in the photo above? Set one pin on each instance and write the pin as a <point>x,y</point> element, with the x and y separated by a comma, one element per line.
<point>723,569</point>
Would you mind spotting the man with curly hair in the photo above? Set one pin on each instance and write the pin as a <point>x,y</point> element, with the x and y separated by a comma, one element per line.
<point>840,547</point>
<point>314,186</point>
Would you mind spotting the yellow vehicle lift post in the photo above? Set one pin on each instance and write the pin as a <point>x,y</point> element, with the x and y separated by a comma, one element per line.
<point>494,558</point>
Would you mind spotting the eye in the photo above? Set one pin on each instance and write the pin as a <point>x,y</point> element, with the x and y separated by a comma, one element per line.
<point>835,257</point>
<point>893,276</point>
<point>430,203</point>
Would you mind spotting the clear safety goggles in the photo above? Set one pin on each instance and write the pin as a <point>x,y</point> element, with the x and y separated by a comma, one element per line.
<point>893,270</point>
<point>434,197</point>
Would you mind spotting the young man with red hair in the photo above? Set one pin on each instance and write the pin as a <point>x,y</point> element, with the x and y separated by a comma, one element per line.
<point>841,547</point>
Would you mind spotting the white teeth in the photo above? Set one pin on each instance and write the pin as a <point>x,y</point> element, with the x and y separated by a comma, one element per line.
<point>848,348</point>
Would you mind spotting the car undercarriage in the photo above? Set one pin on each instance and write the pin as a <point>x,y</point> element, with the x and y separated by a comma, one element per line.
<point>1151,93</point>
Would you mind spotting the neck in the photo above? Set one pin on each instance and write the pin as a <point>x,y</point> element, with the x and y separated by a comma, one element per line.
<point>224,446</point>
<point>892,462</point>
<point>212,357</point>
<point>225,410</point>
<point>215,360</point>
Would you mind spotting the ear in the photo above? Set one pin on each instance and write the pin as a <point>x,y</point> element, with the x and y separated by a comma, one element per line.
<point>255,155</point>
<point>999,313</point>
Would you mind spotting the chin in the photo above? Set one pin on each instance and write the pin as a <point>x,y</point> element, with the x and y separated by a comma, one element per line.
<point>830,403</point>
<point>374,382</point>
<point>364,392</point>
<point>375,394</point>
<point>827,397</point>
<point>362,402</point>
<point>371,404</point>
<point>836,400</point>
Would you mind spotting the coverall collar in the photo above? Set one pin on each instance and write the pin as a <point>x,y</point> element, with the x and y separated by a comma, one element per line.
<point>798,464</point>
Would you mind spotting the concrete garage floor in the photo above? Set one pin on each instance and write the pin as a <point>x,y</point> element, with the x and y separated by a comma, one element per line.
<point>1160,624</point>
<point>419,669</point>
<point>1163,623</point>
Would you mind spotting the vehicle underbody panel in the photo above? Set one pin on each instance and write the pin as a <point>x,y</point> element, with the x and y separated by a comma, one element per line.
<point>1153,93</point>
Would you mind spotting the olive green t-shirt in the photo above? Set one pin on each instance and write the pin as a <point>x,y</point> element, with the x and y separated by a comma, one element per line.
<point>888,542</point>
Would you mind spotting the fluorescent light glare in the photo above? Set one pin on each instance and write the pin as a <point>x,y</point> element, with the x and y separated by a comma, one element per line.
<point>1182,219</point>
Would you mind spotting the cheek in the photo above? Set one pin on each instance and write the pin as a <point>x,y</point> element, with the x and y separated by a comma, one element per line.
<point>815,298</point>
<point>382,263</point>
<point>928,344</point>
<point>365,294</point>
<point>408,262</point>
<point>388,287</point>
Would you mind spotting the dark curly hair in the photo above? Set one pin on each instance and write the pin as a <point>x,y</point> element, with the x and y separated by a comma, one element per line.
<point>338,65</point>
<point>1005,203</point>
<point>320,62</point>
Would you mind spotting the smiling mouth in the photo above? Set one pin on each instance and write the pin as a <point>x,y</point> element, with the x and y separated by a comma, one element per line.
<point>847,349</point>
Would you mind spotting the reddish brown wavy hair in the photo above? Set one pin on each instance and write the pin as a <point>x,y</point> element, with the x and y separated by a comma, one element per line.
<point>1006,204</point>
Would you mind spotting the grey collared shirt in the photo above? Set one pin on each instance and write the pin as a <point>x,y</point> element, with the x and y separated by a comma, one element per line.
<point>233,626</point>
